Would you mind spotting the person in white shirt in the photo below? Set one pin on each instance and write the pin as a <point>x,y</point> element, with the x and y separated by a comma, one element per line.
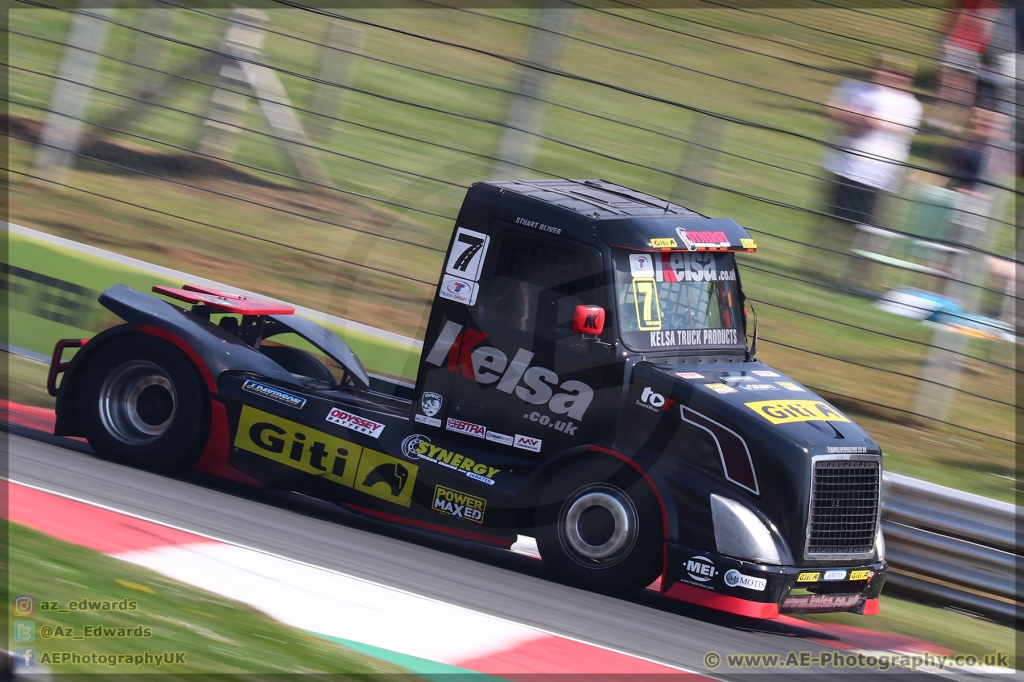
<point>877,123</point>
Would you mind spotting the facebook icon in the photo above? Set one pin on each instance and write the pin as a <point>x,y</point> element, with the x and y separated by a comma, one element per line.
<point>24,657</point>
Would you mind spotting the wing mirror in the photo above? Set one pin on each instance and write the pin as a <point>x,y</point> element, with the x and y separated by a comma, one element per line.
<point>588,320</point>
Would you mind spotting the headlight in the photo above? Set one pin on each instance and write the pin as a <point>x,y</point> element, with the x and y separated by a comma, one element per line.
<point>880,543</point>
<point>740,533</point>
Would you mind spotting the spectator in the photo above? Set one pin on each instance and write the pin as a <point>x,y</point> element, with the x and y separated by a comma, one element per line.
<point>877,121</point>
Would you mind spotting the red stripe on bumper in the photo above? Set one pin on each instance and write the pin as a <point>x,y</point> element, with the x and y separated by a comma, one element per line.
<point>721,602</point>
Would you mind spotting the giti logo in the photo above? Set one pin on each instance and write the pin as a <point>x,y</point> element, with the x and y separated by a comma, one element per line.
<point>321,454</point>
<point>788,411</point>
<point>654,401</point>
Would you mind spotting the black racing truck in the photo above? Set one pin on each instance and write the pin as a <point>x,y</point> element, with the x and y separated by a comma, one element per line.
<point>585,379</point>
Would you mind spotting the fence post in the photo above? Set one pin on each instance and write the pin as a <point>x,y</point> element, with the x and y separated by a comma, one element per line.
<point>335,72</point>
<point>148,50</point>
<point>62,130</point>
<point>975,216</point>
<point>699,162</point>
<point>228,107</point>
<point>526,111</point>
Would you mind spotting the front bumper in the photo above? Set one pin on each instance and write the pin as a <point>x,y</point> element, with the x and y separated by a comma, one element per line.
<point>764,591</point>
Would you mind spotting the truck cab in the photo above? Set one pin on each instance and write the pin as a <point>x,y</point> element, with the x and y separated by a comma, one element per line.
<point>585,379</point>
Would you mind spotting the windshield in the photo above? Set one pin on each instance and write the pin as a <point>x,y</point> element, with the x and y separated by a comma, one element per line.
<point>678,300</point>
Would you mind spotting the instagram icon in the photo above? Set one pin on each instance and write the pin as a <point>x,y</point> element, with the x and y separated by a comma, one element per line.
<point>24,605</point>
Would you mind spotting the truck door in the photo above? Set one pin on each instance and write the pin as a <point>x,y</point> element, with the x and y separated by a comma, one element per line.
<point>524,382</point>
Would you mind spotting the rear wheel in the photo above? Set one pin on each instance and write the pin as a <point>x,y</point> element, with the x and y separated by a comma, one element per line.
<point>143,403</point>
<point>601,533</point>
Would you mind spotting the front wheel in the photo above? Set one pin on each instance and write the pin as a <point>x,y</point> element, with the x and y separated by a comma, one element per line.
<point>601,533</point>
<point>142,402</point>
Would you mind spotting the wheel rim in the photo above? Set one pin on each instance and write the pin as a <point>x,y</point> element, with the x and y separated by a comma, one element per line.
<point>598,525</point>
<point>137,403</point>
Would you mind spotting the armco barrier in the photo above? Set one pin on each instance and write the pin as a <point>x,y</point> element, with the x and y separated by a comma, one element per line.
<point>952,547</point>
<point>944,545</point>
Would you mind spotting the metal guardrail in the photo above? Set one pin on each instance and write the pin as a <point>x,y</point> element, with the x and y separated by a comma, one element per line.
<point>952,547</point>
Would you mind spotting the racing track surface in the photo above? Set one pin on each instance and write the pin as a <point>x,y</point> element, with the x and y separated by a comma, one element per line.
<point>489,580</point>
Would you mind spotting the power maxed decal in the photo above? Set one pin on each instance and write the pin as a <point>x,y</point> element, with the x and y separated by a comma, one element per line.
<point>329,457</point>
<point>460,505</point>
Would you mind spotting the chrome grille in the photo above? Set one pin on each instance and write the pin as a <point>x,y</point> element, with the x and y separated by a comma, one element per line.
<point>844,507</point>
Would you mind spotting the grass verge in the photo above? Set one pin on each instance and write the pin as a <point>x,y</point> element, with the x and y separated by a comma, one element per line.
<point>947,628</point>
<point>216,635</point>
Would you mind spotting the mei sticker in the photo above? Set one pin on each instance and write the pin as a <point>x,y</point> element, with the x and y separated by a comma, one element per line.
<point>467,254</point>
<point>641,265</point>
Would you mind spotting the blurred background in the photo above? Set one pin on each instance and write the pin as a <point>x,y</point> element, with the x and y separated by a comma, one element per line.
<point>319,155</point>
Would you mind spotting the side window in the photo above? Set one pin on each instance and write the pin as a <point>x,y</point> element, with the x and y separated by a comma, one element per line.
<point>537,285</point>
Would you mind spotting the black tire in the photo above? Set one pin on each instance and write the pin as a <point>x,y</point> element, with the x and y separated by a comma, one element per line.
<point>599,527</point>
<point>297,361</point>
<point>142,402</point>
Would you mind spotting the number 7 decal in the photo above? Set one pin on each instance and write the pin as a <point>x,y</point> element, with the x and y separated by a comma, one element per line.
<point>466,257</point>
<point>648,311</point>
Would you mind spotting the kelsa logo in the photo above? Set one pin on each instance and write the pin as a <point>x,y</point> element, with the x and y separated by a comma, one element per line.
<point>320,454</point>
<point>462,352</point>
<point>788,411</point>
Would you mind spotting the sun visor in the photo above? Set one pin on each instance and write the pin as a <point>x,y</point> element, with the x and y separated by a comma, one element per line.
<point>686,234</point>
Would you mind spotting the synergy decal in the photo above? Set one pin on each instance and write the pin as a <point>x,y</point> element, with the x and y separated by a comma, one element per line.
<point>274,394</point>
<point>354,422</point>
<point>702,239</point>
<point>764,373</point>
<point>462,352</point>
<point>418,446</point>
<point>790,386</point>
<point>721,388</point>
<point>734,578</point>
<point>821,601</point>
<point>468,428</point>
<point>788,411</point>
<point>654,402</point>
<point>689,375</point>
<point>458,505</point>
<point>527,443</point>
<point>329,457</point>
<point>678,267</point>
<point>808,577</point>
<point>700,568</point>
<point>502,438</point>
